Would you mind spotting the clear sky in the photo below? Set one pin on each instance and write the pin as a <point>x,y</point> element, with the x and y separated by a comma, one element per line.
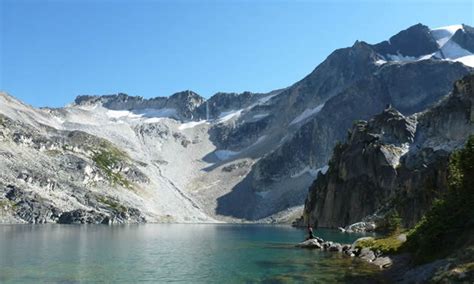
<point>52,51</point>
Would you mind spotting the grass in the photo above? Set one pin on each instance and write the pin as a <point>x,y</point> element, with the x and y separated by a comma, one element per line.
<point>386,245</point>
<point>106,156</point>
<point>6,204</point>
<point>112,204</point>
<point>106,159</point>
<point>390,224</point>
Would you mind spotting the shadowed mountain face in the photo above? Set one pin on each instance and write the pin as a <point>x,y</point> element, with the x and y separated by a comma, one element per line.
<point>392,162</point>
<point>232,156</point>
<point>414,41</point>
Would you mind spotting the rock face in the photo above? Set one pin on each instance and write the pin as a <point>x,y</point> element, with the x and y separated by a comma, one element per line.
<point>184,103</point>
<point>392,162</point>
<point>465,38</point>
<point>233,156</point>
<point>414,41</point>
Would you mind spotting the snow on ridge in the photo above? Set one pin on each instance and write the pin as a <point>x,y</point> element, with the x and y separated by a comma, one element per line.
<point>144,113</point>
<point>402,58</point>
<point>466,60</point>
<point>448,49</point>
<point>307,113</point>
<point>443,34</point>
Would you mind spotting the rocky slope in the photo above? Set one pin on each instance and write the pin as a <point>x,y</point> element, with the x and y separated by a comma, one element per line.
<point>120,158</point>
<point>392,162</point>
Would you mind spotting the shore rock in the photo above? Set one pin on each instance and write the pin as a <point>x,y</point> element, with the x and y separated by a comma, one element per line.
<point>311,243</point>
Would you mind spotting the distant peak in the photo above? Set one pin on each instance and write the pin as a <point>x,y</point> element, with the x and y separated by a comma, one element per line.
<point>452,28</point>
<point>414,41</point>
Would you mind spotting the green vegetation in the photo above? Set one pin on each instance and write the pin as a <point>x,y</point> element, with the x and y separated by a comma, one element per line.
<point>106,159</point>
<point>7,204</point>
<point>390,224</point>
<point>449,224</point>
<point>385,245</point>
<point>112,204</point>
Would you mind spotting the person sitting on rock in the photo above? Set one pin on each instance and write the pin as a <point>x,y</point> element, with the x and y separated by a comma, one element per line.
<point>310,233</point>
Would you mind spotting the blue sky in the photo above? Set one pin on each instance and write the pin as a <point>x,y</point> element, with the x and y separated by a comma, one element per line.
<point>52,51</point>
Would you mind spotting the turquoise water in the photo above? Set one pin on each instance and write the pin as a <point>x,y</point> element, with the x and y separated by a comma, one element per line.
<point>171,253</point>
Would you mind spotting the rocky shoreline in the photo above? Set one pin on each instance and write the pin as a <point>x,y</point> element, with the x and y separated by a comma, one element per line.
<point>351,250</point>
<point>400,267</point>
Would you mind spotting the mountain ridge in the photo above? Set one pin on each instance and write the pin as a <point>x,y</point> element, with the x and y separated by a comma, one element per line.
<point>232,157</point>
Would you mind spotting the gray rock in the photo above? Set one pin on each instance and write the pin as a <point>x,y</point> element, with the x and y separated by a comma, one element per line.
<point>31,207</point>
<point>311,243</point>
<point>81,216</point>
<point>335,247</point>
<point>367,255</point>
<point>383,262</point>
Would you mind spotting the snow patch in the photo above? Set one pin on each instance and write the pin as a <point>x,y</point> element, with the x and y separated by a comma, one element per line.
<point>264,100</point>
<point>401,58</point>
<point>466,60</point>
<point>448,49</point>
<point>307,113</point>
<point>443,34</point>
<point>144,113</point>
<point>228,115</point>
<point>120,114</point>
<point>260,116</point>
<point>311,171</point>
<point>152,120</point>
<point>380,62</point>
<point>191,124</point>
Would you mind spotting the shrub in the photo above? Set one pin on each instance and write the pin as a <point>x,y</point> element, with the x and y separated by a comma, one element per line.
<point>449,224</point>
<point>390,223</point>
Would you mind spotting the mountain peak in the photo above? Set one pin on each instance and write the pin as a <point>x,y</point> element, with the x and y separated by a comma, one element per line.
<point>414,41</point>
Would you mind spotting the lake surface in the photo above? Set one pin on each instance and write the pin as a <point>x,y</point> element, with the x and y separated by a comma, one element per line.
<point>204,253</point>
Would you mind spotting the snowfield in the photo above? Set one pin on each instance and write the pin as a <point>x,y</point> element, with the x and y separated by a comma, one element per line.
<point>448,49</point>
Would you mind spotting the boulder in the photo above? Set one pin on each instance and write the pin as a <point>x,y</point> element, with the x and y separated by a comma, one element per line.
<point>335,247</point>
<point>311,243</point>
<point>383,262</point>
<point>367,255</point>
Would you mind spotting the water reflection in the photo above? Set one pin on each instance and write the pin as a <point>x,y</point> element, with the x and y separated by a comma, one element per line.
<point>161,253</point>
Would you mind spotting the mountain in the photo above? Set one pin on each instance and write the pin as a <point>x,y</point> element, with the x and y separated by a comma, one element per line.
<point>392,162</point>
<point>233,157</point>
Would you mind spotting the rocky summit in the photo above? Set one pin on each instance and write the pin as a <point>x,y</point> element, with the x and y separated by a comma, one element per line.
<point>250,156</point>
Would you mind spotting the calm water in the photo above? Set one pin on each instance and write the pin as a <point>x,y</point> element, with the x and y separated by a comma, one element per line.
<point>171,253</point>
